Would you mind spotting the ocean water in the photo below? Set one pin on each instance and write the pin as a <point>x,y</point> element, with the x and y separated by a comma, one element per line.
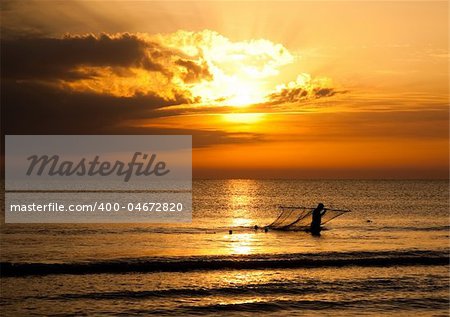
<point>388,256</point>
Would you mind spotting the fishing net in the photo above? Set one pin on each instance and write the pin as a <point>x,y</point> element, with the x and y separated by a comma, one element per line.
<point>299,218</point>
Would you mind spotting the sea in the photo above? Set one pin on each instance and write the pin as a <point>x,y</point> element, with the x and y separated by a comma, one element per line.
<point>388,256</point>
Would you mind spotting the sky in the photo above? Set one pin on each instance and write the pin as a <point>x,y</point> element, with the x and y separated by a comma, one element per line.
<point>267,89</point>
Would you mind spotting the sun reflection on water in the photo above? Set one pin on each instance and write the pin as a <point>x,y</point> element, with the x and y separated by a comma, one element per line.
<point>241,196</point>
<point>242,243</point>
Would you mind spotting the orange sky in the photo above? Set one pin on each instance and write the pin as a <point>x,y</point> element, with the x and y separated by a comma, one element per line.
<point>267,89</point>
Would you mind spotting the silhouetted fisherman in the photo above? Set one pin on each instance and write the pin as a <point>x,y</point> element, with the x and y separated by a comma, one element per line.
<point>317,219</point>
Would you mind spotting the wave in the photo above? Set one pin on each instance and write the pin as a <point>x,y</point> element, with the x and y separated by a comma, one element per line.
<point>277,305</point>
<point>242,262</point>
<point>404,228</point>
<point>304,287</point>
<point>96,229</point>
<point>170,230</point>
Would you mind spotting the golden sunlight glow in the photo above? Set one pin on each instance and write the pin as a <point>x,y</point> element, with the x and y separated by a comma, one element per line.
<point>245,118</point>
<point>267,90</point>
<point>242,243</point>
<point>240,70</point>
<point>240,199</point>
<point>243,93</point>
<point>230,90</point>
<point>126,84</point>
<point>241,193</point>
<point>198,68</point>
<point>241,222</point>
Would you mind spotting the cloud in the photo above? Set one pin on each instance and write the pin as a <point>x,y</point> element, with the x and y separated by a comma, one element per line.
<point>204,67</point>
<point>122,64</point>
<point>34,108</point>
<point>303,88</point>
<point>38,109</point>
<point>52,58</point>
<point>104,84</point>
<point>239,69</point>
<point>253,58</point>
<point>194,72</point>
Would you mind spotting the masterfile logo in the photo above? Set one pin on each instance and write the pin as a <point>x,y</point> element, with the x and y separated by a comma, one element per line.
<point>53,166</point>
<point>98,162</point>
<point>125,179</point>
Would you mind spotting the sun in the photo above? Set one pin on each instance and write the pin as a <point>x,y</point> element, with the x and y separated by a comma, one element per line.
<point>240,73</point>
<point>212,70</point>
<point>244,93</point>
<point>236,91</point>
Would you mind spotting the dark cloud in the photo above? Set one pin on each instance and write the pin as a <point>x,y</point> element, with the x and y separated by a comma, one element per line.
<point>35,102</point>
<point>200,138</point>
<point>52,58</point>
<point>47,59</point>
<point>324,92</point>
<point>33,108</point>
<point>29,108</point>
<point>194,72</point>
<point>297,94</point>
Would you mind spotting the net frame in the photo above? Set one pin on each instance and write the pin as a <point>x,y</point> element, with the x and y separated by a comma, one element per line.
<point>298,217</point>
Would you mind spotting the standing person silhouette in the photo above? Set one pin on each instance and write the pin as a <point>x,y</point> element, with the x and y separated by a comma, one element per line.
<point>317,219</point>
